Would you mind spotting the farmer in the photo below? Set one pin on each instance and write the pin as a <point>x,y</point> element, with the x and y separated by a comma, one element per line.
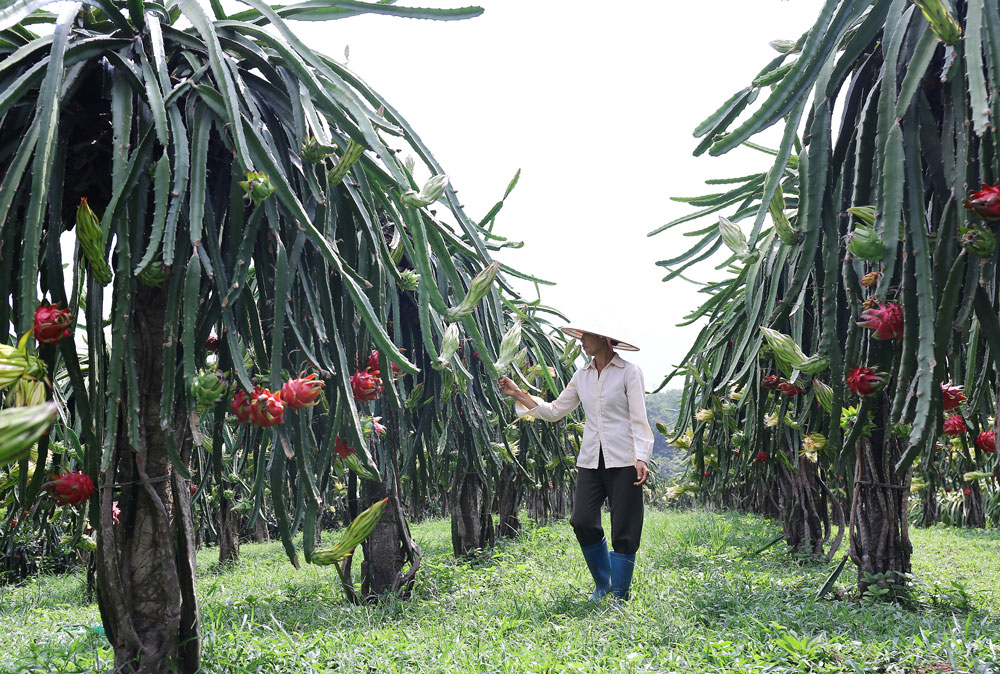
<point>614,454</point>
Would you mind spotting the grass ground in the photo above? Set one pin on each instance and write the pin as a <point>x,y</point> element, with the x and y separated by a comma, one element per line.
<point>701,603</point>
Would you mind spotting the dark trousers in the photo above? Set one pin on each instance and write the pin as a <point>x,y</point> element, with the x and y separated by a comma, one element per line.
<point>593,485</point>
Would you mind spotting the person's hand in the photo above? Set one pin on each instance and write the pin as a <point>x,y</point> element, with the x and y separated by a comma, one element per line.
<point>508,388</point>
<point>641,471</point>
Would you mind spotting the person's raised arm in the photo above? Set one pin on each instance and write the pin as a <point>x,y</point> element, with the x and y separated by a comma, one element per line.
<point>567,401</point>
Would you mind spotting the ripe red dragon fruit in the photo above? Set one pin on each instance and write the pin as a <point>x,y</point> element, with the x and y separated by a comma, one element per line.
<point>366,385</point>
<point>115,511</point>
<point>955,425</point>
<point>241,407</point>
<point>790,389</point>
<point>52,323</point>
<point>71,488</point>
<point>885,320</point>
<point>952,396</point>
<point>343,451</point>
<point>967,491</point>
<point>985,202</point>
<point>373,366</point>
<point>864,381</point>
<point>761,457</point>
<point>301,392</point>
<point>266,408</point>
<point>771,381</point>
<point>986,442</point>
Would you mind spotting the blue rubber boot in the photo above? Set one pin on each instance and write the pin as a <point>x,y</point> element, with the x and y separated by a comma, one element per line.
<point>621,574</point>
<point>599,563</point>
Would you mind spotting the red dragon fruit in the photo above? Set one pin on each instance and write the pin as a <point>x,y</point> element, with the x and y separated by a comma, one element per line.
<point>985,202</point>
<point>366,385</point>
<point>301,392</point>
<point>986,442</point>
<point>71,488</point>
<point>864,381</point>
<point>885,320</point>
<point>955,425</point>
<point>52,323</point>
<point>266,408</point>
<point>952,396</point>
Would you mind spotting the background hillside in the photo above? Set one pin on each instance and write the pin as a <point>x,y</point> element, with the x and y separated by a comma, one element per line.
<point>662,407</point>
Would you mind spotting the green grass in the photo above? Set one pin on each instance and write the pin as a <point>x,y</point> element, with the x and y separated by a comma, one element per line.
<point>699,605</point>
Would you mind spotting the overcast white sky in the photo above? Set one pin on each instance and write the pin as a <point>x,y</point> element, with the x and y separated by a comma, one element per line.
<point>595,103</point>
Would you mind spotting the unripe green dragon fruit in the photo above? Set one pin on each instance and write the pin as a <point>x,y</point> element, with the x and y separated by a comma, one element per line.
<point>409,279</point>
<point>979,241</point>
<point>209,387</point>
<point>865,244</point>
<point>314,152</point>
<point>865,214</point>
<point>154,275</point>
<point>257,187</point>
<point>91,238</point>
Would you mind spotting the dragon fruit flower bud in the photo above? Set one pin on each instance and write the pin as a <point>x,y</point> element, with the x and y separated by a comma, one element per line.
<point>302,392</point>
<point>449,344</point>
<point>824,394</point>
<point>955,425</point>
<point>985,202</point>
<point>885,320</point>
<point>951,396</point>
<point>942,23</point>
<point>704,414</point>
<point>870,279</point>
<point>478,289</point>
<point>52,323</point>
<point>428,194</point>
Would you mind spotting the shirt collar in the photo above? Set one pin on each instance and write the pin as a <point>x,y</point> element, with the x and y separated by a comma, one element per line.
<point>616,361</point>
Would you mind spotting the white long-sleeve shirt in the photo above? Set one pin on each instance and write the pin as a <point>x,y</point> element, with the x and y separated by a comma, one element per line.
<point>614,404</point>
